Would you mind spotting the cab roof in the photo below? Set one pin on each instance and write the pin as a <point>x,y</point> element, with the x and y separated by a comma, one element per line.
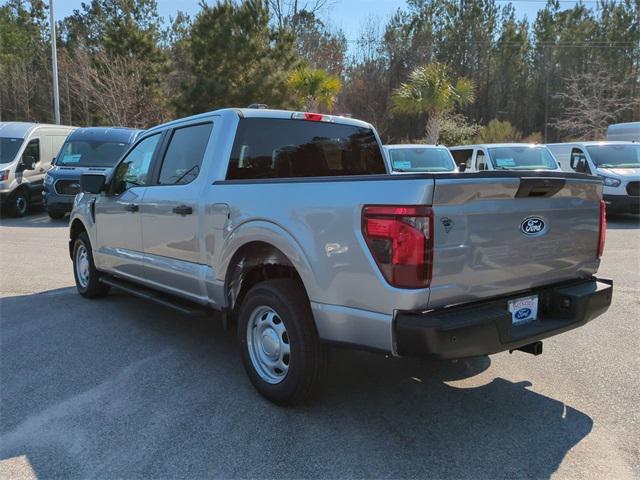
<point>496,145</point>
<point>255,113</point>
<point>413,145</point>
<point>105,134</point>
<point>593,143</point>
<point>22,129</point>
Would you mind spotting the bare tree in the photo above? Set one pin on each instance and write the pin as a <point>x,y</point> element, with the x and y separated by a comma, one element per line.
<point>591,101</point>
<point>114,85</point>
<point>284,11</point>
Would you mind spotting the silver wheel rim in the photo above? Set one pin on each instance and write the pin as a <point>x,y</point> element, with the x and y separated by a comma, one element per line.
<point>21,204</point>
<point>82,266</point>
<point>268,344</point>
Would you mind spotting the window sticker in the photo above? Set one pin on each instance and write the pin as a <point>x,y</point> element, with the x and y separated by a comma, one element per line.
<point>72,158</point>
<point>505,162</point>
<point>402,164</point>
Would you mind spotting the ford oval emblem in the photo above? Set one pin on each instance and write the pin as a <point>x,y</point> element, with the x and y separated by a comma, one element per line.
<point>522,313</point>
<point>532,226</point>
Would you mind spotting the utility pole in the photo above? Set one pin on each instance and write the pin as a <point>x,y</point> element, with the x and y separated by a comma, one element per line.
<point>54,65</point>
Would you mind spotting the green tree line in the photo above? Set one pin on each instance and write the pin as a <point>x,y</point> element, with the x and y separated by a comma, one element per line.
<point>121,63</point>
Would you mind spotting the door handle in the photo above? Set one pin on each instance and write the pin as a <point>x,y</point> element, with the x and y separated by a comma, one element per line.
<point>183,210</point>
<point>131,207</point>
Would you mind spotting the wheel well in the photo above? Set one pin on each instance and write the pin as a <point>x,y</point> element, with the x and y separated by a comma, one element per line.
<point>255,262</point>
<point>23,188</point>
<point>77,227</point>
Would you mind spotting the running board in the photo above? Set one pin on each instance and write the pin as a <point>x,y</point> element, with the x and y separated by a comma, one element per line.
<point>183,306</point>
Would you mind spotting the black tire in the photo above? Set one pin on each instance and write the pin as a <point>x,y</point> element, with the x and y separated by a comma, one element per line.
<point>89,287</point>
<point>56,214</point>
<point>308,357</point>
<point>18,203</point>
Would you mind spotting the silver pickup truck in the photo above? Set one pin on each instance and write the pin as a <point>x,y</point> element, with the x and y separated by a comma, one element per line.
<point>290,225</point>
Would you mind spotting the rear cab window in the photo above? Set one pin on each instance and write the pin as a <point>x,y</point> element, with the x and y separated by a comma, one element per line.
<point>284,148</point>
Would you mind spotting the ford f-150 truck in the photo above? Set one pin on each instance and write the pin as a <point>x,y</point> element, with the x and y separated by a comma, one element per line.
<point>290,225</point>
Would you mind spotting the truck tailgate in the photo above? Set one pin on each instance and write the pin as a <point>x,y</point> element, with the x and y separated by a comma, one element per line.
<point>502,233</point>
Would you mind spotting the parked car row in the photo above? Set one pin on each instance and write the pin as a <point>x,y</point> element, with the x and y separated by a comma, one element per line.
<point>27,176</point>
<point>617,163</point>
<point>42,163</point>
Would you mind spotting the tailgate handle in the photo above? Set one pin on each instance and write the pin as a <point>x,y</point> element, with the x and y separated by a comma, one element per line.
<point>539,187</point>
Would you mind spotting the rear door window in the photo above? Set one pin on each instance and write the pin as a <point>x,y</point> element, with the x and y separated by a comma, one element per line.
<point>283,148</point>
<point>183,159</point>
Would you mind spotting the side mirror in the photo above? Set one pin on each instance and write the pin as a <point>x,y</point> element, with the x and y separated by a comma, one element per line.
<point>92,183</point>
<point>462,167</point>
<point>53,161</point>
<point>28,162</point>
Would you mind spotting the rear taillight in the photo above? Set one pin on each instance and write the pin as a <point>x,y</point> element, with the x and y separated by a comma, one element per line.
<point>603,228</point>
<point>400,239</point>
<point>4,175</point>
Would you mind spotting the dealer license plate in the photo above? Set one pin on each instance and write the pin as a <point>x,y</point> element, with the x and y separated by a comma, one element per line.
<point>523,310</point>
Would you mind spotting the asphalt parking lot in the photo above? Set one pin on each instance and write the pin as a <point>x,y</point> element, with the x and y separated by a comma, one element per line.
<point>121,388</point>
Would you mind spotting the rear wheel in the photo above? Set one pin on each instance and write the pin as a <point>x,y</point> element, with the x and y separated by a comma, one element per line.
<point>280,348</point>
<point>84,270</point>
<point>18,203</point>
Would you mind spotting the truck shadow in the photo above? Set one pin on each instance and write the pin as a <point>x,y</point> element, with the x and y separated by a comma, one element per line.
<point>37,218</point>
<point>623,222</point>
<point>122,388</point>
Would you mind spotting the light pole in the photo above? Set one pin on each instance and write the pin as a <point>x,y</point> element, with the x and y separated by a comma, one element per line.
<point>54,65</point>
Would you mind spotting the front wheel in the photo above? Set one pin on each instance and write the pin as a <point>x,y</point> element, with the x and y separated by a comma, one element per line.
<point>18,203</point>
<point>84,270</point>
<point>280,348</point>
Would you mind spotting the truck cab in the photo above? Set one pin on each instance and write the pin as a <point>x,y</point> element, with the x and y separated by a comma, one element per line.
<point>27,151</point>
<point>93,149</point>
<point>617,163</point>
<point>503,156</point>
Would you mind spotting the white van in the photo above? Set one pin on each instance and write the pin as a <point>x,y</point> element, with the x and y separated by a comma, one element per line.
<point>503,156</point>
<point>26,153</point>
<point>624,132</point>
<point>617,163</point>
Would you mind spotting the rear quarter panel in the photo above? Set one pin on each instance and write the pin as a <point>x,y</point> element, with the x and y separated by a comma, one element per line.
<point>318,225</point>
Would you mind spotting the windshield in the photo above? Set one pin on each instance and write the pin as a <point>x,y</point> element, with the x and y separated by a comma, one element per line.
<point>421,160</point>
<point>87,153</point>
<point>9,148</point>
<point>522,158</point>
<point>616,156</point>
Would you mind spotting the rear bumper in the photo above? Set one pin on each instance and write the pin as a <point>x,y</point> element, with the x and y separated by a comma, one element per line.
<point>484,328</point>
<point>622,203</point>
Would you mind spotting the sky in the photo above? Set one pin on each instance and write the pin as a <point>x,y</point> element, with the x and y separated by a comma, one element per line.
<point>348,15</point>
